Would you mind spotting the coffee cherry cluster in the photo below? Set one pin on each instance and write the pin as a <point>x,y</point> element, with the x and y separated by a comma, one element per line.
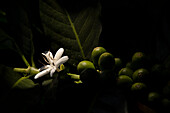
<point>144,79</point>
<point>101,60</point>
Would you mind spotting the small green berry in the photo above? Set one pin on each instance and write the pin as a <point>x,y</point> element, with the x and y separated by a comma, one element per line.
<point>96,54</point>
<point>85,64</point>
<point>106,61</point>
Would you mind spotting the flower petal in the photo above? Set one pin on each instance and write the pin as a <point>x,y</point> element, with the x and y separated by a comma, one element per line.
<point>61,61</point>
<point>58,54</point>
<point>52,71</point>
<point>44,67</point>
<point>42,73</point>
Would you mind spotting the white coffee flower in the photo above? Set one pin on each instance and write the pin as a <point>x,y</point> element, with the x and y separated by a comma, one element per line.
<point>53,63</point>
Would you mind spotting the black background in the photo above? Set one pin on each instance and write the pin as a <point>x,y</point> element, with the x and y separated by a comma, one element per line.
<point>127,26</point>
<point>134,25</point>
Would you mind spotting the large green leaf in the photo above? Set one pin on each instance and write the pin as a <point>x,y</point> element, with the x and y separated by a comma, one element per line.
<point>23,27</point>
<point>17,95</point>
<point>5,42</point>
<point>76,31</point>
<point>12,79</point>
<point>20,27</point>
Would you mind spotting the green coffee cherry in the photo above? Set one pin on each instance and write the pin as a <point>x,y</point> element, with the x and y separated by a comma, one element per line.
<point>140,75</point>
<point>96,54</point>
<point>126,71</point>
<point>84,65</point>
<point>138,60</point>
<point>89,76</point>
<point>106,61</point>
<point>118,63</point>
<point>124,81</point>
<point>154,97</point>
<point>139,89</point>
<point>138,56</point>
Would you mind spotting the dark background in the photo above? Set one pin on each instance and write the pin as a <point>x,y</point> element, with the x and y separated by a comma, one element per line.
<point>135,25</point>
<point>127,26</point>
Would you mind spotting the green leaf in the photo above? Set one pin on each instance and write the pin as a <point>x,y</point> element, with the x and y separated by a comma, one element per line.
<point>24,83</point>
<point>76,31</point>
<point>16,91</point>
<point>12,79</point>
<point>5,42</point>
<point>22,96</point>
<point>8,43</point>
<point>19,29</point>
<point>26,35</point>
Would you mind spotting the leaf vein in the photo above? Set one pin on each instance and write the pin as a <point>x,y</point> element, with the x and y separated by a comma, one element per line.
<point>50,10</point>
